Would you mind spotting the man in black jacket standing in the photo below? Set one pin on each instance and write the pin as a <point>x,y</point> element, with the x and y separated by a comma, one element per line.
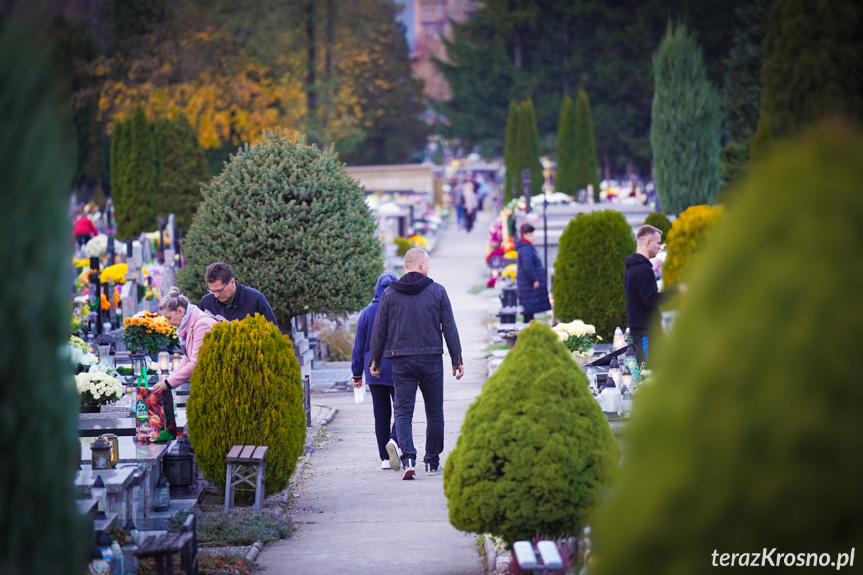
<point>413,314</point>
<point>231,299</point>
<point>642,296</point>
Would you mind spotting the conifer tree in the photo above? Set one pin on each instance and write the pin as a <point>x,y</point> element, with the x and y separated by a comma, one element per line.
<point>812,60</point>
<point>529,149</point>
<point>565,179</point>
<point>686,124</point>
<point>293,224</point>
<point>586,164</point>
<point>41,530</point>
<point>135,200</point>
<point>182,169</point>
<point>510,152</point>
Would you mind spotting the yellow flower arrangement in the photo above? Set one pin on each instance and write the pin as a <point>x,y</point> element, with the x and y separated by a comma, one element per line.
<point>509,272</point>
<point>687,238</point>
<point>511,255</point>
<point>148,330</point>
<point>81,262</point>
<point>418,241</point>
<point>115,273</point>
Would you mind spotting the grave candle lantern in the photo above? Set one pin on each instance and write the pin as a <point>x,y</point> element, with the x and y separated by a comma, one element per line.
<point>100,453</point>
<point>614,370</point>
<point>103,344</point>
<point>99,493</point>
<point>162,495</point>
<point>163,361</point>
<point>626,377</point>
<point>175,362</point>
<point>138,361</point>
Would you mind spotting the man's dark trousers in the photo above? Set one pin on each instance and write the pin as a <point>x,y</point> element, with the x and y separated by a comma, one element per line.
<point>425,372</point>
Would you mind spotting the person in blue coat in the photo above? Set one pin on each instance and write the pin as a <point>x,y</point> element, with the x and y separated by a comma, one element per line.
<point>381,388</point>
<point>530,277</point>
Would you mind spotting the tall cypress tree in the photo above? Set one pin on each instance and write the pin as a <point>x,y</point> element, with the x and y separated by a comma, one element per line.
<point>529,147</point>
<point>565,180</point>
<point>812,60</point>
<point>182,169</point>
<point>119,161</point>
<point>510,151</point>
<point>686,124</point>
<point>41,531</point>
<point>586,164</point>
<point>135,203</point>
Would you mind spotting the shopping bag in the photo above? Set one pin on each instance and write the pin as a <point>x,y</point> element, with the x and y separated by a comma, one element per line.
<point>154,414</point>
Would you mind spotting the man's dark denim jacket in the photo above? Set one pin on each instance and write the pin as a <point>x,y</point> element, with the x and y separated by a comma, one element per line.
<point>413,314</point>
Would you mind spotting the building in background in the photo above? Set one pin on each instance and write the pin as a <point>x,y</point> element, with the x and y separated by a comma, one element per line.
<point>427,23</point>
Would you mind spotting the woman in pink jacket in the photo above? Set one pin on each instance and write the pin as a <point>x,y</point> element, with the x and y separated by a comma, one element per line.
<point>192,325</point>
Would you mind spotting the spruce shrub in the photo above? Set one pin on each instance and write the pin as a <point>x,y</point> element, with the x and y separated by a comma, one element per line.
<point>246,390</point>
<point>588,271</point>
<point>136,198</point>
<point>292,224</point>
<point>659,221</point>
<point>586,164</point>
<point>182,169</point>
<point>565,180</point>
<point>748,438</point>
<point>535,448</point>
<point>41,530</point>
<point>686,240</point>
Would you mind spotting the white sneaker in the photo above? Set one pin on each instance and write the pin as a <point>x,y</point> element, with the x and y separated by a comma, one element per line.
<point>395,455</point>
<point>385,464</point>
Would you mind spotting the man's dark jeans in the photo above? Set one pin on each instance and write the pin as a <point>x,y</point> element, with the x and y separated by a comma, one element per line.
<point>425,372</point>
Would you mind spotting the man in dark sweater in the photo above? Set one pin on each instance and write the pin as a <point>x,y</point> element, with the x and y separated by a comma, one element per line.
<point>231,299</point>
<point>642,296</point>
<point>413,318</point>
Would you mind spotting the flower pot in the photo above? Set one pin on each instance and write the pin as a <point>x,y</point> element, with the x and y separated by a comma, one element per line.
<point>91,408</point>
<point>583,357</point>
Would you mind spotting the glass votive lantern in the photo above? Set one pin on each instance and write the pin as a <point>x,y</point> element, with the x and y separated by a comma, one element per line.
<point>614,370</point>
<point>626,377</point>
<point>164,361</point>
<point>175,361</point>
<point>138,361</point>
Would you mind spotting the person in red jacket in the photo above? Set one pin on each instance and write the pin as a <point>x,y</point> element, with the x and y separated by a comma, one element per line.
<point>84,230</point>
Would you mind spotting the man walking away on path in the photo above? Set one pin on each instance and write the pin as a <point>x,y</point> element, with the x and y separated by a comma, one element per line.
<point>231,299</point>
<point>413,313</point>
<point>642,296</point>
<point>470,204</point>
<point>530,277</point>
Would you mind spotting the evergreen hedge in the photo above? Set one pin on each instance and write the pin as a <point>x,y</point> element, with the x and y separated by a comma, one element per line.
<point>528,148</point>
<point>565,180</point>
<point>41,531</point>
<point>292,224</point>
<point>246,390</point>
<point>747,438</point>
<point>686,240</point>
<point>510,152</point>
<point>182,169</point>
<point>588,271</point>
<point>535,448</point>
<point>135,190</point>
<point>659,221</point>
<point>586,164</point>
<point>686,125</point>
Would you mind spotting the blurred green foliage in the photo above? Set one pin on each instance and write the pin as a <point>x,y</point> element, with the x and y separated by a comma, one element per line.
<point>747,438</point>
<point>659,221</point>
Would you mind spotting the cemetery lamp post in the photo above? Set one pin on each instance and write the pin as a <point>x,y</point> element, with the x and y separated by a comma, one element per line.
<point>525,189</point>
<point>545,233</point>
<point>96,292</point>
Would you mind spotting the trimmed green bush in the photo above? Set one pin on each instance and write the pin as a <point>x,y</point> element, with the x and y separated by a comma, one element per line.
<point>182,169</point>
<point>586,164</point>
<point>565,179</point>
<point>41,531</point>
<point>246,390</point>
<point>292,224</point>
<point>535,448</point>
<point>510,153</point>
<point>687,238</point>
<point>659,221</point>
<point>529,148</point>
<point>588,271</point>
<point>686,124</point>
<point>746,439</point>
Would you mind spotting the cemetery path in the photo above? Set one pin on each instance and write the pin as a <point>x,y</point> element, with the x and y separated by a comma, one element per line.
<point>355,518</point>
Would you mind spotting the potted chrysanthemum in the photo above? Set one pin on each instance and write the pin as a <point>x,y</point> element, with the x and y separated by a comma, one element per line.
<point>96,389</point>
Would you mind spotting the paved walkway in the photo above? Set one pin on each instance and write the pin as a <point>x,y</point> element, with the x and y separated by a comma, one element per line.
<point>355,518</point>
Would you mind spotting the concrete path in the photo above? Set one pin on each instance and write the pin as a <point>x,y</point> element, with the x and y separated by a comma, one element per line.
<point>355,518</point>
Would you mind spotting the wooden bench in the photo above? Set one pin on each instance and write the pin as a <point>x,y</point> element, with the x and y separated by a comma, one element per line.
<point>163,547</point>
<point>247,465</point>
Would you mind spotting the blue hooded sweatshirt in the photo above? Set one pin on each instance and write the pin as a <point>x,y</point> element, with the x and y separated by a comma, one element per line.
<point>362,342</point>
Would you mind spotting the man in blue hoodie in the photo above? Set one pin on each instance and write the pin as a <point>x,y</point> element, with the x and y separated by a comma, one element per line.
<point>381,387</point>
<point>413,315</point>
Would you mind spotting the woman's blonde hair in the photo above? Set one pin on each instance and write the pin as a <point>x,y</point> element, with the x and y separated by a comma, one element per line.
<point>174,300</point>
